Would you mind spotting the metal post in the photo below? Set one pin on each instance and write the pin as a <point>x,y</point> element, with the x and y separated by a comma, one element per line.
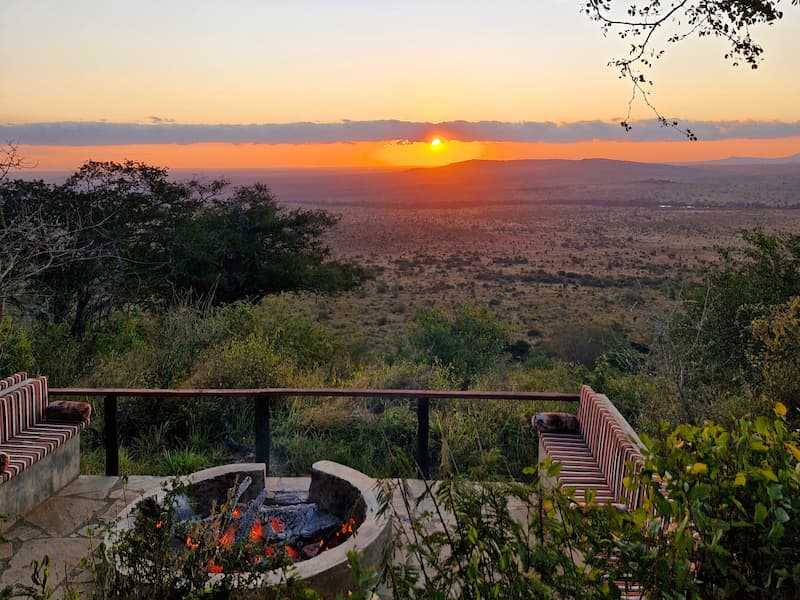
<point>112,436</point>
<point>423,430</point>
<point>263,430</point>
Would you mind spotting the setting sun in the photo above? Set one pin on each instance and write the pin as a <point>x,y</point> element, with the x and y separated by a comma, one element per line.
<point>436,142</point>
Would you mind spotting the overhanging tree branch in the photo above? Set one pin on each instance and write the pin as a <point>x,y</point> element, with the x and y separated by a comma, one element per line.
<point>643,21</point>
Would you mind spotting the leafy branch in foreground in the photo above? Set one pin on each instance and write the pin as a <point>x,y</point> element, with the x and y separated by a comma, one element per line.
<point>164,556</point>
<point>720,520</point>
<point>646,24</point>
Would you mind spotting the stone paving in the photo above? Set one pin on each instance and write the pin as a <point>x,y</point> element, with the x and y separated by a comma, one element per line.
<point>69,525</point>
<point>66,527</point>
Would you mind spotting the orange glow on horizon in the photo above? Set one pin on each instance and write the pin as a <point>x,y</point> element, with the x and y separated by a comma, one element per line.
<point>395,154</point>
<point>423,154</point>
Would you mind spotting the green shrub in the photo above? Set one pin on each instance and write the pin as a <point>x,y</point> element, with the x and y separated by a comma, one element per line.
<point>253,362</point>
<point>582,343</point>
<point>776,356</point>
<point>310,345</point>
<point>469,343</point>
<point>721,519</point>
<point>58,354</point>
<point>729,510</point>
<point>713,335</point>
<point>16,353</point>
<point>183,462</point>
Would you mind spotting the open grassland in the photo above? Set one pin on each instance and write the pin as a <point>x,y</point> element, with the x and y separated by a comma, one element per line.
<point>534,289</point>
<point>542,269</point>
<point>551,274</point>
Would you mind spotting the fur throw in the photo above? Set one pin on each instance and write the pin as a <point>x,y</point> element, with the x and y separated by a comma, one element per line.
<point>556,422</point>
<point>63,410</point>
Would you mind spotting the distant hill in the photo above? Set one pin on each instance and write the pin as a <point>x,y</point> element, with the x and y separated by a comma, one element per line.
<point>734,182</point>
<point>552,172</point>
<point>595,181</point>
<point>794,159</point>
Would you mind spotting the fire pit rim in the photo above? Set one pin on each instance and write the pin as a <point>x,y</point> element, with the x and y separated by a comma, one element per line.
<point>371,538</point>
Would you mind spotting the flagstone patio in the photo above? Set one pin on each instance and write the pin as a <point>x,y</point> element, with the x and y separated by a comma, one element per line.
<point>66,527</point>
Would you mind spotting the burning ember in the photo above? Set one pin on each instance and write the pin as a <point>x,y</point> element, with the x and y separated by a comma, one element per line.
<point>300,531</point>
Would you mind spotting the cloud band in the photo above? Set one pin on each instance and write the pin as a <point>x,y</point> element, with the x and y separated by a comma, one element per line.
<point>164,131</point>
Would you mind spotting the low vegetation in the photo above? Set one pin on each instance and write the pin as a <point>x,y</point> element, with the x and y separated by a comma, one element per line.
<point>719,521</point>
<point>196,285</point>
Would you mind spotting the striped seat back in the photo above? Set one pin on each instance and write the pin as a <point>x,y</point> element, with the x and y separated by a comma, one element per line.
<point>613,442</point>
<point>22,405</point>
<point>13,380</point>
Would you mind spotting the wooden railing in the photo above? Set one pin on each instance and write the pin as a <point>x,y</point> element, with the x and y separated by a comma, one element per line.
<point>263,398</point>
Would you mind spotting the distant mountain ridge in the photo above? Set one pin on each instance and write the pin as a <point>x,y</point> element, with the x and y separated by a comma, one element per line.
<point>750,160</point>
<point>734,181</point>
<point>554,171</point>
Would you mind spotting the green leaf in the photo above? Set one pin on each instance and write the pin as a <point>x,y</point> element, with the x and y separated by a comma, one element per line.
<point>762,426</point>
<point>781,515</point>
<point>793,449</point>
<point>768,474</point>
<point>775,492</point>
<point>554,469</point>
<point>760,514</point>
<point>698,468</point>
<point>776,532</point>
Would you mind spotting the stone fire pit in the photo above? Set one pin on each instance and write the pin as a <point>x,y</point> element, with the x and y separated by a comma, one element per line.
<point>336,490</point>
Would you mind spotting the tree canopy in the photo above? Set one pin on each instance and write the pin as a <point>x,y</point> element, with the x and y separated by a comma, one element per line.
<point>117,234</point>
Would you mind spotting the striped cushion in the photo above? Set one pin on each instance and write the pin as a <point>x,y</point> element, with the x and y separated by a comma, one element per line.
<point>579,468</point>
<point>22,406</point>
<point>33,445</point>
<point>25,437</point>
<point>599,458</point>
<point>13,380</point>
<point>605,452</point>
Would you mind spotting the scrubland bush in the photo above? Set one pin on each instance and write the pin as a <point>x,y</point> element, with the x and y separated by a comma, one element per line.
<point>469,343</point>
<point>730,510</point>
<point>713,336</point>
<point>16,353</point>
<point>254,361</point>
<point>720,520</point>
<point>776,356</point>
<point>583,343</point>
<point>58,355</point>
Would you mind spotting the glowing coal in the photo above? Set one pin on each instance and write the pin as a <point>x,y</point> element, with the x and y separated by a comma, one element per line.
<point>311,522</point>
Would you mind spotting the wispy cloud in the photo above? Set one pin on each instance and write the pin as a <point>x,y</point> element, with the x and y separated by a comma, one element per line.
<point>158,120</point>
<point>162,130</point>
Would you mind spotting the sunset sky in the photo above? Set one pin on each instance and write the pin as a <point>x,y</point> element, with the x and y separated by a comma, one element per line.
<point>356,83</point>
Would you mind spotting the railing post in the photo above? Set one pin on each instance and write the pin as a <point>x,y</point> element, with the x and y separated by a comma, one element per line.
<point>423,430</point>
<point>112,435</point>
<point>262,429</point>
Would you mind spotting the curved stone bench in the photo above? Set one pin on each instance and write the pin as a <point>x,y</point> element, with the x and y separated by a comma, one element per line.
<point>39,443</point>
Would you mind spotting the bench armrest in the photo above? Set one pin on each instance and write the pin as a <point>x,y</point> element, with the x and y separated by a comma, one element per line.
<point>556,422</point>
<point>4,460</point>
<point>65,410</point>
